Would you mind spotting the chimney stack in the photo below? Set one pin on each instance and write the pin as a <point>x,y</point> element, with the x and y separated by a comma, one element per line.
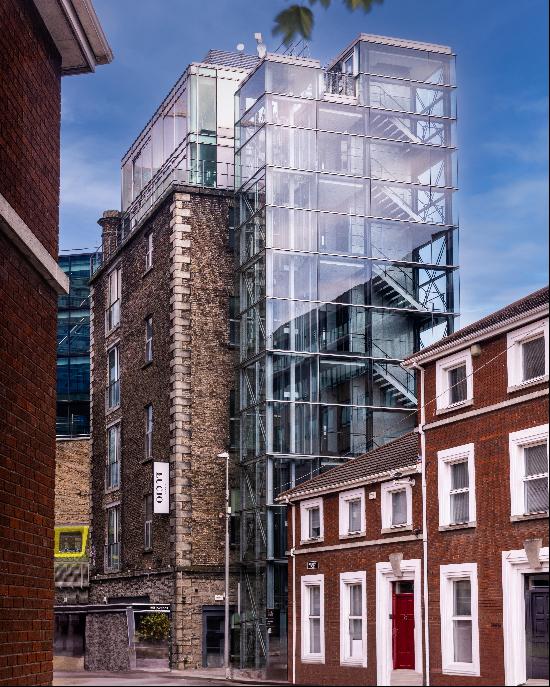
<point>110,231</point>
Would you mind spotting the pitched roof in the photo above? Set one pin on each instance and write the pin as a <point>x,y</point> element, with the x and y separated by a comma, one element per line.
<point>400,453</point>
<point>521,307</point>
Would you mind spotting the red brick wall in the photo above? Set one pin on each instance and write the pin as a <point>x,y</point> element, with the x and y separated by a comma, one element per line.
<point>29,180</point>
<point>30,93</point>
<point>27,470</point>
<point>494,531</point>
<point>331,564</point>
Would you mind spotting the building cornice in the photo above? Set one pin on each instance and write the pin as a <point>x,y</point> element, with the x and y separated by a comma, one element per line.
<point>486,333</point>
<point>25,240</point>
<point>77,34</point>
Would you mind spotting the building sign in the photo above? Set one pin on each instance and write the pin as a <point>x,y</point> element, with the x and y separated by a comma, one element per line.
<point>272,620</point>
<point>161,488</point>
<point>313,565</point>
<point>219,597</point>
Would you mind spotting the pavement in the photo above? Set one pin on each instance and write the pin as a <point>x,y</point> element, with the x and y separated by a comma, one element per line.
<point>164,678</point>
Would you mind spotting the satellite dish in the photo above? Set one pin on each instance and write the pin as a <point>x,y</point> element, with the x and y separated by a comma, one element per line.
<point>240,47</point>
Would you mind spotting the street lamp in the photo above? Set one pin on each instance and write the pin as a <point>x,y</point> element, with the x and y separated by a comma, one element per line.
<point>225,455</point>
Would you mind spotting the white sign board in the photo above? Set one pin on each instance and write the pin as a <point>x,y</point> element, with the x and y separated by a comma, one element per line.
<point>161,488</point>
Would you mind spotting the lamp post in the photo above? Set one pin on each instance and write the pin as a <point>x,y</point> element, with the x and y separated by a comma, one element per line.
<point>225,455</point>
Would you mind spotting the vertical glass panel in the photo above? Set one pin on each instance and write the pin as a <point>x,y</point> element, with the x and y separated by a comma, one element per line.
<point>253,435</point>
<point>253,387</point>
<point>344,381</point>
<point>253,334</point>
<point>459,475</point>
<point>347,119</point>
<point>291,112</point>
<point>460,509</point>
<point>168,131</point>
<point>343,328</point>
<point>399,508</point>
<point>462,639</point>
<point>314,522</point>
<point>388,425</point>
<point>250,91</point>
<point>206,106</point>
<point>343,234</point>
<point>354,525</point>
<point>252,236</point>
<point>462,597</point>
<point>293,276</point>
<point>295,428</point>
<point>127,184</point>
<point>533,354</point>
<point>343,280</point>
<point>292,229</point>
<point>225,103</point>
<point>253,284</point>
<point>341,153</point>
<point>411,128</point>
<point>250,157</point>
<point>294,378</point>
<point>294,189</point>
<point>536,460</point>
<point>251,199</point>
<point>393,334</point>
<point>458,387</point>
<point>393,386</point>
<point>343,195</point>
<point>405,96</point>
<point>250,123</point>
<point>180,117</point>
<point>292,79</point>
<point>292,147</point>
<point>292,325</point>
<point>536,495</point>
<point>404,63</point>
<point>344,431</point>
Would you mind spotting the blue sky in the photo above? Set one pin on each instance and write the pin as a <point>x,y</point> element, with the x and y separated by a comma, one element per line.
<point>502,74</point>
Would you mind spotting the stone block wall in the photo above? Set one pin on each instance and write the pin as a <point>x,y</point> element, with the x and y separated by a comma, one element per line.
<point>72,482</point>
<point>107,642</point>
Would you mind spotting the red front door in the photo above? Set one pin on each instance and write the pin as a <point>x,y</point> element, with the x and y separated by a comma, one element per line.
<point>403,630</point>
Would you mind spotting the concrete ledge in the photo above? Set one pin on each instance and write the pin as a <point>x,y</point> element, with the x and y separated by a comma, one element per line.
<point>23,238</point>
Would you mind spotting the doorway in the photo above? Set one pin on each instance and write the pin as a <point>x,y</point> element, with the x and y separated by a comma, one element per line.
<point>536,626</point>
<point>403,625</point>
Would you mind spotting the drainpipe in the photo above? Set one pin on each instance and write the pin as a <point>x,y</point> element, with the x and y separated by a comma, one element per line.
<point>293,556</point>
<point>424,525</point>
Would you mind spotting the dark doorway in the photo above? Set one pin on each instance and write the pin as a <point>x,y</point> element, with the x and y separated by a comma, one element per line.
<point>536,626</point>
<point>212,636</point>
<point>70,630</point>
<point>403,625</point>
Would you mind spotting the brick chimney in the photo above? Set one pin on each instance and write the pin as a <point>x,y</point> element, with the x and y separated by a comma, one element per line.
<point>110,230</point>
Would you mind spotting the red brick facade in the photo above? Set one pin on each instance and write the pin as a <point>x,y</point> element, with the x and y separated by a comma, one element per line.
<point>499,545</point>
<point>494,532</point>
<point>29,181</point>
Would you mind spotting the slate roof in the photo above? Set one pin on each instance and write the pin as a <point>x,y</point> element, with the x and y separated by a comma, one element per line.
<point>223,58</point>
<point>515,309</point>
<point>398,454</point>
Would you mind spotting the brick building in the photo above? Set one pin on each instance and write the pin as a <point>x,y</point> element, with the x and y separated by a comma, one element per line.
<point>475,554</point>
<point>162,378</point>
<point>39,43</point>
<point>355,537</point>
<point>484,426</point>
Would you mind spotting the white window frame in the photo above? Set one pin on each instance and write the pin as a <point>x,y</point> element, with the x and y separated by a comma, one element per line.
<point>149,339</point>
<point>514,342</point>
<point>445,459</point>
<point>515,565</point>
<point>386,491</point>
<point>149,251</point>
<point>306,582</point>
<point>305,507</point>
<point>344,499</point>
<point>148,431</point>
<point>148,524</point>
<point>442,386</point>
<point>347,579</point>
<point>448,575</point>
<point>517,442</point>
<point>116,349</point>
<point>114,291</point>
<point>115,427</point>
<point>115,509</point>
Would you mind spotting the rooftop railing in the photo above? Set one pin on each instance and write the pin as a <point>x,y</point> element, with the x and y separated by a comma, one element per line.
<point>338,83</point>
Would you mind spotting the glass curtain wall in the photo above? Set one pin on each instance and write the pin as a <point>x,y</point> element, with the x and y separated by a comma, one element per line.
<point>73,349</point>
<point>347,252</point>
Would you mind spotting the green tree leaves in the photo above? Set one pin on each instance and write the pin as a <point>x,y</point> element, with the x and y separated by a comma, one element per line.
<point>298,20</point>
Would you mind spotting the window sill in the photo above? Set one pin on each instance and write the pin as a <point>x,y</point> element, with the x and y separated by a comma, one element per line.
<point>397,528</point>
<point>109,411</point>
<point>317,540</point>
<point>112,490</point>
<point>458,526</point>
<point>353,535</point>
<point>108,332</point>
<point>312,659</point>
<point>147,459</point>
<point>524,385</point>
<point>455,406</point>
<point>353,663</point>
<point>458,670</point>
<point>149,550</point>
<point>531,516</point>
<point>147,364</point>
<point>147,271</point>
